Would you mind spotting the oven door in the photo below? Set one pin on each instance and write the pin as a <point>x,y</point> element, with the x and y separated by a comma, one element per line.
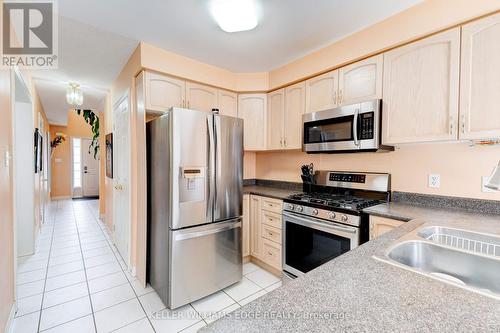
<point>309,242</point>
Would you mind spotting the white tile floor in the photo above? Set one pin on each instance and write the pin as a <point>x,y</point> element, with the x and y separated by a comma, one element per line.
<point>77,282</point>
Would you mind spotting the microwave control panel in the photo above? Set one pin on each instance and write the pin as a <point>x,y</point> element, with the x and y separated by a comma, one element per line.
<point>367,125</point>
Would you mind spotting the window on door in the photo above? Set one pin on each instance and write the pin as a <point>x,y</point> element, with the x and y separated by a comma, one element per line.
<point>77,166</point>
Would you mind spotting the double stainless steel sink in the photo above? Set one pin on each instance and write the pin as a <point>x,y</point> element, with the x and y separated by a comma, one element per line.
<point>459,255</point>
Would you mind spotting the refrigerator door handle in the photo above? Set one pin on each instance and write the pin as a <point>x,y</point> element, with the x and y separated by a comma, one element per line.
<point>211,167</point>
<point>207,232</point>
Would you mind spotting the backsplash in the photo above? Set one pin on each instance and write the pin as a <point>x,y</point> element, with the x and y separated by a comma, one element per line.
<point>460,167</point>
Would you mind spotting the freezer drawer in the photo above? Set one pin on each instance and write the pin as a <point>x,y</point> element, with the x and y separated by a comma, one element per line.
<point>205,259</point>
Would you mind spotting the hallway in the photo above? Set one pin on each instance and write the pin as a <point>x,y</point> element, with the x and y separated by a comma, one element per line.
<point>81,284</point>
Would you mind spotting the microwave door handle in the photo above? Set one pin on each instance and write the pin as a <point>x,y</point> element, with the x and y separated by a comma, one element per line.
<point>355,126</point>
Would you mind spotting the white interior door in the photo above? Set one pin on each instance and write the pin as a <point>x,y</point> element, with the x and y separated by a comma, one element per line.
<point>24,176</point>
<point>121,177</point>
<point>90,170</point>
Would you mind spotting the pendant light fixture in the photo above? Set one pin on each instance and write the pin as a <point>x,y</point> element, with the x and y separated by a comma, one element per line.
<point>74,94</point>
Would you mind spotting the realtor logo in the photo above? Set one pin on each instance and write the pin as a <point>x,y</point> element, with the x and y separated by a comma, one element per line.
<point>29,34</point>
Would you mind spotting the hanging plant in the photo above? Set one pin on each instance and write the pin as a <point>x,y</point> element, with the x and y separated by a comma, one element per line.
<point>93,120</point>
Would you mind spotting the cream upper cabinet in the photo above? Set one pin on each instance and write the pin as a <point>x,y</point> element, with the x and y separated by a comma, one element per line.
<point>480,79</point>
<point>200,97</point>
<point>163,92</point>
<point>252,108</point>
<point>295,104</point>
<point>361,81</point>
<point>227,103</point>
<point>275,119</point>
<point>321,92</point>
<point>420,93</point>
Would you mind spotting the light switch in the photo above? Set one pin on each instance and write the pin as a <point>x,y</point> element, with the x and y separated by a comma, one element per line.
<point>58,160</point>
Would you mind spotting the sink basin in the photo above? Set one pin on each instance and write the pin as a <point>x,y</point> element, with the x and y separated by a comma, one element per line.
<point>479,273</point>
<point>462,239</point>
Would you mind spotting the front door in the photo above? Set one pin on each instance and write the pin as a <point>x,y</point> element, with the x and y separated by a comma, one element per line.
<point>121,177</point>
<point>90,170</point>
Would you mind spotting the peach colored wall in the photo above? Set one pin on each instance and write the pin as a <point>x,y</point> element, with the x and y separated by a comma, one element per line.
<point>460,166</point>
<point>423,19</point>
<point>6,201</point>
<point>61,172</point>
<point>249,164</point>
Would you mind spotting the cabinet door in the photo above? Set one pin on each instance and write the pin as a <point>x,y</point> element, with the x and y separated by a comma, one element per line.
<point>163,92</point>
<point>255,210</point>
<point>295,104</point>
<point>246,226</point>
<point>275,119</point>
<point>200,97</point>
<point>420,97</point>
<point>321,92</point>
<point>381,225</point>
<point>480,79</point>
<point>227,102</point>
<point>253,110</point>
<point>361,81</point>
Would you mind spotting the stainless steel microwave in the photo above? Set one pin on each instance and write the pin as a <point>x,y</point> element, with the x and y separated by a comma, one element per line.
<point>350,128</point>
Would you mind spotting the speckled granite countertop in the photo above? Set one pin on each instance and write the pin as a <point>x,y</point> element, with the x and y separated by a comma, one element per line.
<point>356,293</point>
<point>268,191</point>
<point>406,212</point>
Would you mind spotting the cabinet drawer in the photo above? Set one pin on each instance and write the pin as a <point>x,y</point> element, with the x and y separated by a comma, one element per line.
<point>272,205</point>
<point>271,253</point>
<point>271,219</point>
<point>271,233</point>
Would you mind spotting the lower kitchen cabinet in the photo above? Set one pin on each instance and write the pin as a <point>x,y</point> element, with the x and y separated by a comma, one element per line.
<point>245,247</point>
<point>381,225</point>
<point>265,224</point>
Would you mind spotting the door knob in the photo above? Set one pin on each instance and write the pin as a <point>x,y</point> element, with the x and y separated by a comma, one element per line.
<point>119,187</point>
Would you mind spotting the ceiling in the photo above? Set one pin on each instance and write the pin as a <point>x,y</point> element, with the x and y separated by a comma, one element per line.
<point>96,37</point>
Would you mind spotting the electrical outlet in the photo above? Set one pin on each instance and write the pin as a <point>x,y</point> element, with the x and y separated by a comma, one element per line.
<point>434,181</point>
<point>485,180</point>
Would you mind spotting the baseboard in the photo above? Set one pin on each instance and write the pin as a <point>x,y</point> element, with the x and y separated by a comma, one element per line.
<point>63,197</point>
<point>269,268</point>
<point>247,259</point>
<point>133,271</point>
<point>10,320</point>
<point>102,217</point>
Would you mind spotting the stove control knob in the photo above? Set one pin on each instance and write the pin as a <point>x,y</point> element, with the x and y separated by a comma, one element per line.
<point>344,218</point>
<point>300,209</point>
<point>332,215</point>
<point>314,211</point>
<point>290,206</point>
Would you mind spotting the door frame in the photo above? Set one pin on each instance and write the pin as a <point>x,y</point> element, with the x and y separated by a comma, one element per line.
<point>15,73</point>
<point>126,97</point>
<point>71,161</point>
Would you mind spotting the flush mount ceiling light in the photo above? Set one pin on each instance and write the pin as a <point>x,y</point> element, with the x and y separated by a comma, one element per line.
<point>235,15</point>
<point>74,94</point>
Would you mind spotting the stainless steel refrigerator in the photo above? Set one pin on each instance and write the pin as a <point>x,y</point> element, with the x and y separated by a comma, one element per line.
<point>195,194</point>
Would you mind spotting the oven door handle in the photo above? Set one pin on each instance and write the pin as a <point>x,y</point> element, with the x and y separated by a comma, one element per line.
<point>312,222</point>
<point>355,126</point>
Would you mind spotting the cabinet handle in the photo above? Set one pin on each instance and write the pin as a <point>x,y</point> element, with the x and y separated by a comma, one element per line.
<point>182,104</point>
<point>188,105</point>
<point>463,124</point>
<point>281,142</point>
<point>340,97</point>
<point>451,125</point>
<point>284,142</point>
<point>270,253</point>
<point>334,97</point>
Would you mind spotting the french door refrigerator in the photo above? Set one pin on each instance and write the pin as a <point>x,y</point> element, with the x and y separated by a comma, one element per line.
<point>195,194</point>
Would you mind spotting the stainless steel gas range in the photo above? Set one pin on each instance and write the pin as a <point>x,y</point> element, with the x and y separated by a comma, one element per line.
<point>328,221</point>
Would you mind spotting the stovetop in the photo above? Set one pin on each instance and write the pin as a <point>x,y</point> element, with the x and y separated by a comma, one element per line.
<point>332,201</point>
